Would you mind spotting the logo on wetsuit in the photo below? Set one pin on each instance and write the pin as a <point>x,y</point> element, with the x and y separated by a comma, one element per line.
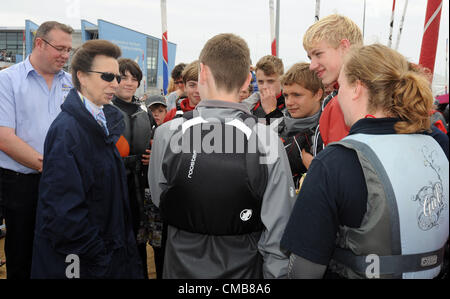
<point>191,167</point>
<point>246,214</point>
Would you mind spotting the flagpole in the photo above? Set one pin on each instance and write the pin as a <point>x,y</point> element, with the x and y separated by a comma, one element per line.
<point>273,42</point>
<point>401,25</point>
<point>364,19</point>
<point>391,25</point>
<point>164,46</point>
<point>277,29</point>
<point>316,17</point>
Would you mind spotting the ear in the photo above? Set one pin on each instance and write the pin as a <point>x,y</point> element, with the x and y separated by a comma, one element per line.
<point>81,77</point>
<point>345,44</point>
<point>358,90</point>
<point>38,43</point>
<point>318,95</point>
<point>247,82</point>
<point>203,74</point>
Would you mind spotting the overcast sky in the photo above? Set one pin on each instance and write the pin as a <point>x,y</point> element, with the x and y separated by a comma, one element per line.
<point>192,22</point>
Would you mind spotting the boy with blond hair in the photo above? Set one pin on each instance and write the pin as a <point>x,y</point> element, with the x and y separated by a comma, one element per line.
<point>226,206</point>
<point>327,42</point>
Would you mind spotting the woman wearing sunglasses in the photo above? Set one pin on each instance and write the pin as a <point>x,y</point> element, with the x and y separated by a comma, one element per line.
<point>83,223</point>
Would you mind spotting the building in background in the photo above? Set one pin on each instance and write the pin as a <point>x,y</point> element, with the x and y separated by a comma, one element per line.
<point>145,49</point>
<point>11,45</point>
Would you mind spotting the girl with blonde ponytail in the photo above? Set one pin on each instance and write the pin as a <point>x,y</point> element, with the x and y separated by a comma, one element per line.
<point>383,191</point>
<point>393,86</point>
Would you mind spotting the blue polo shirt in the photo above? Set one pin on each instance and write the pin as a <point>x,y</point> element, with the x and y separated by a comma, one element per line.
<point>28,106</point>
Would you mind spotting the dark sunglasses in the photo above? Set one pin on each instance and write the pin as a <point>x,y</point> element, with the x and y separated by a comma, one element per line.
<point>108,77</point>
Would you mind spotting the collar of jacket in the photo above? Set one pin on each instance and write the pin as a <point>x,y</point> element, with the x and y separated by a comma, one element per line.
<point>129,108</point>
<point>280,102</point>
<point>375,126</point>
<point>223,104</point>
<point>291,126</point>
<point>134,101</point>
<point>114,118</point>
<point>185,106</point>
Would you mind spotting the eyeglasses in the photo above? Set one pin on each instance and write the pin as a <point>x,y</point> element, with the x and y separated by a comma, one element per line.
<point>61,50</point>
<point>178,82</point>
<point>108,77</point>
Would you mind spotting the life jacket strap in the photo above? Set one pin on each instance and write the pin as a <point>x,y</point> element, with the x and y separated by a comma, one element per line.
<point>391,264</point>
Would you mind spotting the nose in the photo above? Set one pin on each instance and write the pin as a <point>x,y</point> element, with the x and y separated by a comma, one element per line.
<point>288,100</point>
<point>65,54</point>
<point>114,83</point>
<point>313,65</point>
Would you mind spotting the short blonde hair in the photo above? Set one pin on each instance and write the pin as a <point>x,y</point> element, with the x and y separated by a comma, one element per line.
<point>332,29</point>
<point>270,65</point>
<point>300,74</point>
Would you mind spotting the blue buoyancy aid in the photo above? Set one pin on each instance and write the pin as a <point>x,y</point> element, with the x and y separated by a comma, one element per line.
<point>406,225</point>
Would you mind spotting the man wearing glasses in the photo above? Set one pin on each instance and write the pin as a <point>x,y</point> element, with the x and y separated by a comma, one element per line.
<point>179,86</point>
<point>31,93</point>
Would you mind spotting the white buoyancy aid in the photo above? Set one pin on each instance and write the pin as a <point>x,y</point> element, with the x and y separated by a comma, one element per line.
<point>406,224</point>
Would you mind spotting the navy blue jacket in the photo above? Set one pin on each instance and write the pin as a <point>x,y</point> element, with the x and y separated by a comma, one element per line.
<point>83,204</point>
